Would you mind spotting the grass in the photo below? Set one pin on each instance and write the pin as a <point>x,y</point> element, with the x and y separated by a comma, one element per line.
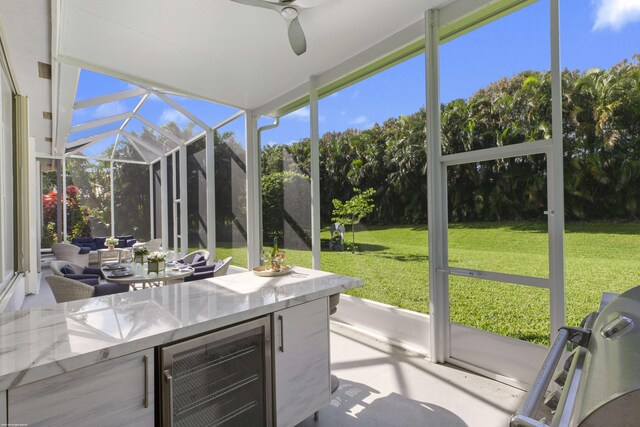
<point>394,263</point>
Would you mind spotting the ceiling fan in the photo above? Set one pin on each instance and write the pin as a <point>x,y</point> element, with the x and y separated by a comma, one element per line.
<point>290,11</point>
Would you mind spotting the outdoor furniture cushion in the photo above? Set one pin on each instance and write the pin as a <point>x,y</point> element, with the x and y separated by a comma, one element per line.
<point>199,276</point>
<point>94,271</point>
<point>85,250</point>
<point>82,276</point>
<point>93,281</point>
<point>197,259</point>
<point>67,269</point>
<point>110,289</point>
<point>204,268</point>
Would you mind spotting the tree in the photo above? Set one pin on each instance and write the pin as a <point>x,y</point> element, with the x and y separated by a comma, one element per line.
<point>353,210</point>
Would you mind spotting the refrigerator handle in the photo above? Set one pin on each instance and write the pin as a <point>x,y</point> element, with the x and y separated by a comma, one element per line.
<point>145,402</point>
<point>169,380</point>
<point>281,320</point>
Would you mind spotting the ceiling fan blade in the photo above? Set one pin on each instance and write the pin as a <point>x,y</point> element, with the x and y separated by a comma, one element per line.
<point>260,3</point>
<point>296,37</point>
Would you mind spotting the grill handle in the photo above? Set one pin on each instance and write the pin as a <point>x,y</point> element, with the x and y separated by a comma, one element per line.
<point>522,418</point>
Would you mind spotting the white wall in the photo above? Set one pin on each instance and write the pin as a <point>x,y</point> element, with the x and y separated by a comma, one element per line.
<point>6,182</point>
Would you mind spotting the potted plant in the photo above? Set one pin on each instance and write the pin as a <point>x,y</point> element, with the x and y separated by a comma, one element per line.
<point>140,255</point>
<point>111,242</point>
<point>156,262</point>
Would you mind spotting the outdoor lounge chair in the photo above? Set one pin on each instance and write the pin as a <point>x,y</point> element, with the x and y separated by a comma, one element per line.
<point>61,268</point>
<point>196,258</point>
<point>208,271</point>
<point>222,267</point>
<point>65,289</point>
<point>152,245</point>
<point>71,253</point>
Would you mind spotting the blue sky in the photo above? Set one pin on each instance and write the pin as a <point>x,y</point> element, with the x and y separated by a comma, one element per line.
<point>594,33</point>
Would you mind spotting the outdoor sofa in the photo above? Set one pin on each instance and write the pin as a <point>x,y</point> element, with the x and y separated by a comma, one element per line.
<point>95,243</point>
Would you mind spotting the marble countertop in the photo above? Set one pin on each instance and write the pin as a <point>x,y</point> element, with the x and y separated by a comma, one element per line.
<point>42,342</point>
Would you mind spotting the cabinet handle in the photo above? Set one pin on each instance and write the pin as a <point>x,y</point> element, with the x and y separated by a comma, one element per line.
<point>281,319</point>
<point>169,379</point>
<point>145,402</point>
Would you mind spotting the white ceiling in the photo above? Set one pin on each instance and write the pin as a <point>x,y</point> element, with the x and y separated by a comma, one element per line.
<point>217,50</point>
<point>220,50</point>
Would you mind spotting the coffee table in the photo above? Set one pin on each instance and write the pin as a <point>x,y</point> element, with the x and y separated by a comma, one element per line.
<point>145,279</point>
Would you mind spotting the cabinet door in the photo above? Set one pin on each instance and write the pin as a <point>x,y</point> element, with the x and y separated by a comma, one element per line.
<point>3,408</point>
<point>301,352</point>
<point>111,393</point>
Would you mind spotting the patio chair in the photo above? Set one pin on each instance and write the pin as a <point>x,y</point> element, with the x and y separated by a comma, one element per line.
<point>69,270</point>
<point>65,289</point>
<point>153,245</point>
<point>208,271</point>
<point>222,267</point>
<point>203,272</point>
<point>71,253</point>
<point>196,258</point>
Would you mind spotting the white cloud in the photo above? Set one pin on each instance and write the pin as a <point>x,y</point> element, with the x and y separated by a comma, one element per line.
<point>301,114</point>
<point>359,120</point>
<point>109,109</point>
<point>616,14</point>
<point>171,115</point>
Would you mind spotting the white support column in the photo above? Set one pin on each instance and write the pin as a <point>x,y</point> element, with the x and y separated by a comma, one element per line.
<point>152,206</point>
<point>254,233</point>
<point>64,199</point>
<point>174,202</point>
<point>184,205</point>
<point>113,203</point>
<point>556,183</point>
<point>211,193</point>
<point>436,202</point>
<point>32,199</point>
<point>315,172</point>
<point>164,202</point>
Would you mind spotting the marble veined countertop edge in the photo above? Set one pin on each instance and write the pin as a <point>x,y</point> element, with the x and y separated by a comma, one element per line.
<point>42,342</point>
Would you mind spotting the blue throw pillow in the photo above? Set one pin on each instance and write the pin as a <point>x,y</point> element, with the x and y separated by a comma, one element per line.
<point>197,258</point>
<point>67,269</point>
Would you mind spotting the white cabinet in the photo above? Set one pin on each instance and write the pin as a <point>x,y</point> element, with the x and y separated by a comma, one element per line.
<point>116,392</point>
<point>3,408</point>
<point>301,361</point>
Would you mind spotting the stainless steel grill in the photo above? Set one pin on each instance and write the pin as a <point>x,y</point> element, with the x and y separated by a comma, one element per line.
<point>599,384</point>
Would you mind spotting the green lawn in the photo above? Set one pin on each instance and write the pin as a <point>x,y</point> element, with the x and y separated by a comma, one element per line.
<point>393,261</point>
